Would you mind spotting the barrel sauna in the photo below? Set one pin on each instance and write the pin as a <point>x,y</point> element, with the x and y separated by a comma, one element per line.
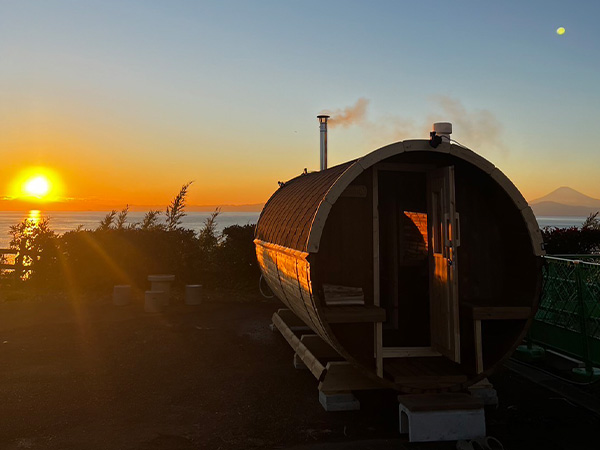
<point>420,266</point>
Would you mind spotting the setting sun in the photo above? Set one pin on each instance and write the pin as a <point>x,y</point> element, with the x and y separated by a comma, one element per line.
<point>37,186</point>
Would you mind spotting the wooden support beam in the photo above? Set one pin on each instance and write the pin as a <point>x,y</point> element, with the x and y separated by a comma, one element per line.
<point>354,314</point>
<point>343,377</point>
<point>313,364</point>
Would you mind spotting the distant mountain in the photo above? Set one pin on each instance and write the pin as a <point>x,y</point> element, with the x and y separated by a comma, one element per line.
<point>567,196</point>
<point>565,201</point>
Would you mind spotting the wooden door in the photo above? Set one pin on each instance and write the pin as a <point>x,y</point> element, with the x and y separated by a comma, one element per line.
<point>443,282</point>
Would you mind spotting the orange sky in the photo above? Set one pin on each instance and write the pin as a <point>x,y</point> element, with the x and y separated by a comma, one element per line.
<point>126,102</point>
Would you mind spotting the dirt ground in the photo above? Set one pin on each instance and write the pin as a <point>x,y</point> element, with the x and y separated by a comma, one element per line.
<point>80,373</point>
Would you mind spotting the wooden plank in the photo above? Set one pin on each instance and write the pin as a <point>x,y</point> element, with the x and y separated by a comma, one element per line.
<point>318,347</point>
<point>440,402</point>
<point>353,314</point>
<point>343,295</point>
<point>313,364</point>
<point>378,331</point>
<point>398,167</point>
<point>379,349</point>
<point>429,381</point>
<point>355,191</point>
<point>408,352</point>
<point>7,266</point>
<point>426,373</point>
<point>342,376</point>
<point>498,312</point>
<point>478,346</point>
<point>8,251</point>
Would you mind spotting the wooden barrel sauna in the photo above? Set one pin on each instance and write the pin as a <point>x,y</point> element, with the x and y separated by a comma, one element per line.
<point>420,266</point>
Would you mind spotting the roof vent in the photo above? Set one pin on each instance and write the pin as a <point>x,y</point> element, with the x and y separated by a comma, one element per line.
<point>441,133</point>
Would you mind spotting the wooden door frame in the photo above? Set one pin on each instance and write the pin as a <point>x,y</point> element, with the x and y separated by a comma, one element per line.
<point>382,352</point>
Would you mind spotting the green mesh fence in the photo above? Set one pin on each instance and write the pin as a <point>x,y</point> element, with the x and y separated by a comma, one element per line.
<point>568,318</point>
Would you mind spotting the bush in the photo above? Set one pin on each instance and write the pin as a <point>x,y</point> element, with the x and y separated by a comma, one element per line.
<point>236,256</point>
<point>110,255</point>
<point>120,253</point>
<point>37,251</point>
<point>574,240</point>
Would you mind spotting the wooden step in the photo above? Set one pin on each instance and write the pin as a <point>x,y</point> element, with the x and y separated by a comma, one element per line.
<point>497,312</point>
<point>440,402</point>
<point>424,372</point>
<point>354,314</point>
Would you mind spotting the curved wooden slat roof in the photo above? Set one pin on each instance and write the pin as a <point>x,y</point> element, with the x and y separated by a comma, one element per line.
<point>295,215</point>
<point>287,217</point>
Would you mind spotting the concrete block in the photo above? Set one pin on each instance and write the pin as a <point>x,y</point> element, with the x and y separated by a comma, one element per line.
<point>162,283</point>
<point>193,294</point>
<point>441,417</point>
<point>484,391</point>
<point>154,301</point>
<point>338,401</point>
<point>427,426</point>
<point>121,295</point>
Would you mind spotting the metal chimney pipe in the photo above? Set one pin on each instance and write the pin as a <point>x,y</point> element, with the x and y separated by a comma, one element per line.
<point>323,128</point>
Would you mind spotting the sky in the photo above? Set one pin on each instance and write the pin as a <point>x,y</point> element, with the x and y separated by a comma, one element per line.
<point>122,102</point>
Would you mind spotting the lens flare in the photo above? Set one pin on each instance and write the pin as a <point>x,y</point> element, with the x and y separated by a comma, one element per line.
<point>560,31</point>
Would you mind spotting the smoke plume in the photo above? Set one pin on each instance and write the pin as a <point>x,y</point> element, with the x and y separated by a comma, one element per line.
<point>351,115</point>
<point>478,129</point>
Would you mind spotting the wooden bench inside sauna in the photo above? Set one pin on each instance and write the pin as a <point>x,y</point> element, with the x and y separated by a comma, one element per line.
<point>420,266</point>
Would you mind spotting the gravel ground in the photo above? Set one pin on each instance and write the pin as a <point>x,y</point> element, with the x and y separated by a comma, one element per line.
<point>81,373</point>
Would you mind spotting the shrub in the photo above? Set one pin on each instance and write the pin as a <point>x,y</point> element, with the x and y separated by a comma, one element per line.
<point>37,251</point>
<point>118,253</point>
<point>573,240</point>
<point>236,257</point>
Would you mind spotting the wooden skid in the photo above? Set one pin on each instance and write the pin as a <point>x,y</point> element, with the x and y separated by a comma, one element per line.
<point>343,377</point>
<point>313,364</point>
<point>338,376</point>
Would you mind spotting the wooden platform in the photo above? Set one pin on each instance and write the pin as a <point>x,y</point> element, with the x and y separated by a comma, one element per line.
<point>439,402</point>
<point>436,372</point>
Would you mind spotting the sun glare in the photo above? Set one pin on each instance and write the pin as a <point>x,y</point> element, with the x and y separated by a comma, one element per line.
<point>38,186</point>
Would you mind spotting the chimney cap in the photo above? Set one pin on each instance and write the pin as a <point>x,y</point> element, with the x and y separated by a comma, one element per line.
<point>323,116</point>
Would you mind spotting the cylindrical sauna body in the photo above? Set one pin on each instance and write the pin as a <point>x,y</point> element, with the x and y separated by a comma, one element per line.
<point>419,265</point>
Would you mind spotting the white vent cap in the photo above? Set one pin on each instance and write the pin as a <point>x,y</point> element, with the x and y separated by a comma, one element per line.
<point>443,129</point>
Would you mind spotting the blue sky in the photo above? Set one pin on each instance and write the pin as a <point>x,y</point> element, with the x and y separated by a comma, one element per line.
<point>141,96</point>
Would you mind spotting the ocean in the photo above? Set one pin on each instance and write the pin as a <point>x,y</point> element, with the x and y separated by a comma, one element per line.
<point>62,221</point>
